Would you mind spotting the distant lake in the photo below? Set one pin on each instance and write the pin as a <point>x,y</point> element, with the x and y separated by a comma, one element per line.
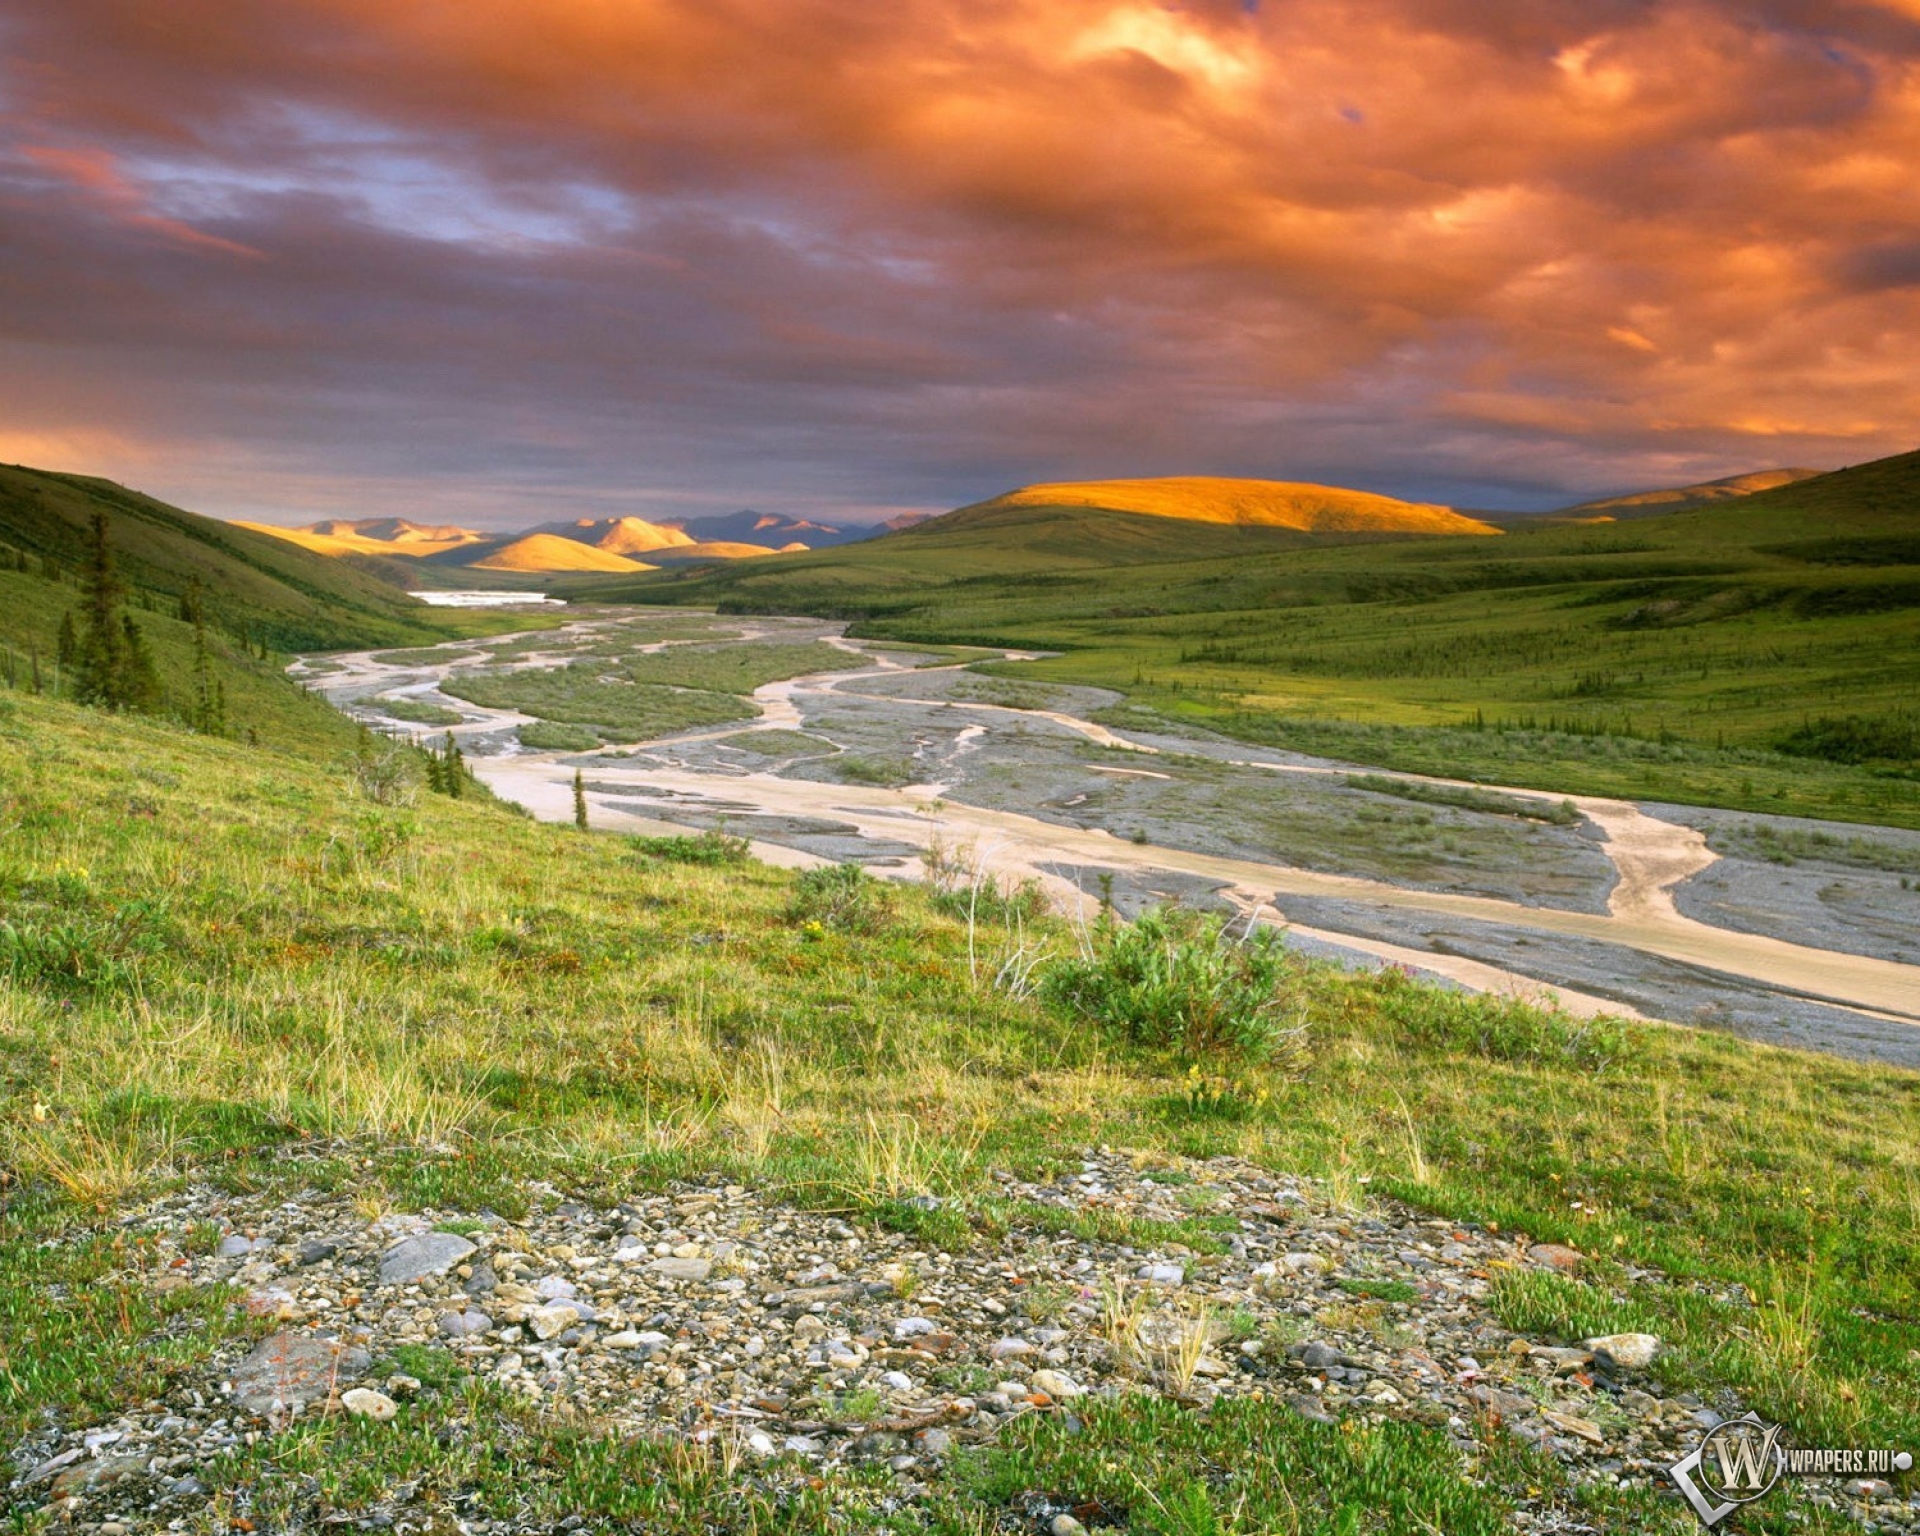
<point>488,599</point>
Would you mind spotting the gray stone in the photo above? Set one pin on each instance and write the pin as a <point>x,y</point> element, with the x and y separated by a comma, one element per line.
<point>1314,1355</point>
<point>555,1288</point>
<point>481,1282</point>
<point>933,1442</point>
<point>234,1247</point>
<point>1007,1349</point>
<point>314,1249</point>
<point>1163,1274</point>
<point>458,1325</point>
<point>289,1367</point>
<point>420,1258</point>
<point>913,1327</point>
<point>682,1269</point>
<point>1308,1408</point>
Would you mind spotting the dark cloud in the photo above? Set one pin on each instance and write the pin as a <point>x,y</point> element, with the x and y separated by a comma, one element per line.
<point>472,259</point>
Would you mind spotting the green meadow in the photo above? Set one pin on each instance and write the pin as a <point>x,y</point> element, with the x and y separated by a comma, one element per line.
<point>215,947</point>
<point>1762,654</point>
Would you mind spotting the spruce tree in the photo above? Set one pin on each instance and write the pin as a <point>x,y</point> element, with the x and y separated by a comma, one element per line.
<point>579,801</point>
<point>209,698</point>
<point>100,662</point>
<point>67,646</point>
<point>139,683</point>
<point>456,767</point>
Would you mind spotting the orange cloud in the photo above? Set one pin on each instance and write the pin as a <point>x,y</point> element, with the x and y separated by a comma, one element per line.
<point>1227,237</point>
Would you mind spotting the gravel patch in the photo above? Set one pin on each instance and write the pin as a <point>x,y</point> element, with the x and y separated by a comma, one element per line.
<point>714,1312</point>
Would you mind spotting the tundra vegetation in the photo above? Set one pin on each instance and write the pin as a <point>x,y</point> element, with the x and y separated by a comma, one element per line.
<point>219,946</point>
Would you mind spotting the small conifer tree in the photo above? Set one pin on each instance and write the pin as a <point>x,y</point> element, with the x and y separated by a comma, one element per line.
<point>100,662</point>
<point>579,801</point>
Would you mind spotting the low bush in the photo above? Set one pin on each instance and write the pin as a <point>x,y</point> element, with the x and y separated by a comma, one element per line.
<point>1178,981</point>
<point>711,847</point>
<point>1496,1028</point>
<point>842,896</point>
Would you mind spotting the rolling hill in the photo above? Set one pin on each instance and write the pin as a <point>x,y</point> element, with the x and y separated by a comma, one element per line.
<point>550,552</point>
<point>1299,507</point>
<point>1677,498</point>
<point>618,535</point>
<point>265,585</point>
<point>1761,652</point>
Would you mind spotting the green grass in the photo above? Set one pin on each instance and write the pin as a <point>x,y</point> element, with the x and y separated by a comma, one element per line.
<point>735,668</point>
<point>1722,655</point>
<point>405,977</point>
<point>549,736</point>
<point>417,712</point>
<point>575,695</point>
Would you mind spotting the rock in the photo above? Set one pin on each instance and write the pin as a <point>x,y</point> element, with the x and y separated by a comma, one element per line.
<point>1057,1384</point>
<point>1007,1349</point>
<point>555,1288</point>
<point>1573,1424</point>
<point>803,1445</point>
<point>1624,1351</point>
<point>548,1321</point>
<point>420,1258</point>
<point>1314,1355</point>
<point>1556,1256</point>
<point>1869,1488</point>
<point>460,1325</point>
<point>649,1344</point>
<point>933,1442</point>
<point>897,1381</point>
<point>481,1282</point>
<point>1309,1408</point>
<point>1307,1263</point>
<point>1163,1274</point>
<point>287,1368</point>
<point>365,1403</point>
<point>761,1443</point>
<point>1509,1405</point>
<point>234,1247</point>
<point>682,1269</point>
<point>1065,1525</point>
<point>315,1249</point>
<point>98,1474</point>
<point>913,1327</point>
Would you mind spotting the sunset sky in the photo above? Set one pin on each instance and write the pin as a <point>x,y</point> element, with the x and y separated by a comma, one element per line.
<point>502,260</point>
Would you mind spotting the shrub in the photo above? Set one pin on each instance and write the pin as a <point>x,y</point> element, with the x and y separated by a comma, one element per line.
<point>548,736</point>
<point>709,847</point>
<point>1497,1028</point>
<point>842,896</point>
<point>1856,739</point>
<point>1179,981</point>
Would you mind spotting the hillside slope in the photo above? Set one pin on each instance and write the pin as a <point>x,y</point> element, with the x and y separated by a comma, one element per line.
<point>547,552</point>
<point>1675,498</point>
<point>256,583</point>
<point>1295,505</point>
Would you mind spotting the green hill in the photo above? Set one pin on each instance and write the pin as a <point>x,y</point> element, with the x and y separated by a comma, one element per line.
<point>234,980</point>
<point>1761,652</point>
<point>262,597</point>
<point>293,599</point>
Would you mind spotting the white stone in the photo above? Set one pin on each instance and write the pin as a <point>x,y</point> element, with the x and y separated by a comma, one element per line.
<point>1056,1384</point>
<point>365,1403</point>
<point>1626,1351</point>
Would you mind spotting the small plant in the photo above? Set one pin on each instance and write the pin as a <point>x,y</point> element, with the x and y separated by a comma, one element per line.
<point>842,896</point>
<point>1213,1096</point>
<point>1177,981</point>
<point>712,847</point>
<point>385,772</point>
<point>861,1406</point>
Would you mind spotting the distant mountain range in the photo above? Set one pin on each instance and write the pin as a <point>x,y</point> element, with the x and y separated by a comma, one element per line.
<point>587,544</point>
<point>1254,508</point>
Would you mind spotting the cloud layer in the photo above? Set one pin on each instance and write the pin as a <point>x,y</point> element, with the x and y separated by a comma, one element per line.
<point>488,259</point>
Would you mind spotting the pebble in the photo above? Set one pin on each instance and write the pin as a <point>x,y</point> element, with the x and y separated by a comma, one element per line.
<point>365,1403</point>
<point>721,1309</point>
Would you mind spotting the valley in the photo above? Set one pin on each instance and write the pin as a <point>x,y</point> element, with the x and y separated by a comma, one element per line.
<point>820,749</point>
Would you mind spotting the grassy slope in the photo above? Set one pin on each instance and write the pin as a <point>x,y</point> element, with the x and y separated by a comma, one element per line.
<point>1666,658</point>
<point>213,951</point>
<point>294,599</point>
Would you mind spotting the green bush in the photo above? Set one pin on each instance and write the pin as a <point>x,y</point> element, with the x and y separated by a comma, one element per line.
<point>709,847</point>
<point>1179,981</point>
<point>548,736</point>
<point>842,896</point>
<point>1497,1028</point>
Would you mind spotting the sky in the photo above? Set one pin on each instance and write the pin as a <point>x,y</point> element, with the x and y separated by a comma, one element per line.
<point>501,261</point>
